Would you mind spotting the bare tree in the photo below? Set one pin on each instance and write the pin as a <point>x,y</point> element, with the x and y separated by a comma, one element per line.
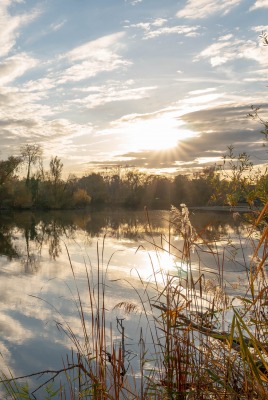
<point>55,169</point>
<point>31,154</point>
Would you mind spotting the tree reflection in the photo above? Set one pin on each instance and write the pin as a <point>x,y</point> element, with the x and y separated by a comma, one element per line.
<point>7,247</point>
<point>24,235</point>
<point>213,226</point>
<point>131,225</point>
<point>27,235</point>
<point>30,234</point>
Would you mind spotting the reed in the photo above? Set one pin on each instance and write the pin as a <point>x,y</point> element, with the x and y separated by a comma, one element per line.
<point>200,343</point>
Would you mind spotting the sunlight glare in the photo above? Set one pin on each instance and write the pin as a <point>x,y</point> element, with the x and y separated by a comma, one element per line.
<point>161,266</point>
<point>156,134</point>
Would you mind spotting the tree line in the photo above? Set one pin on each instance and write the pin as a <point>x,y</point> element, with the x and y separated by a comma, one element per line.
<point>234,181</point>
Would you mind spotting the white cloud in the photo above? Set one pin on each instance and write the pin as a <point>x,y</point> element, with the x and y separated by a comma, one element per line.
<point>257,75</point>
<point>216,52</point>
<point>259,4</point>
<point>208,160</point>
<point>94,57</point>
<point>134,2</point>
<point>39,85</point>
<point>151,32</point>
<point>58,25</point>
<point>222,52</point>
<point>15,66</point>
<point>159,22</point>
<point>204,99</point>
<point>16,104</point>
<point>10,25</point>
<point>202,91</point>
<point>180,29</point>
<point>24,116</point>
<point>225,37</point>
<point>260,28</point>
<point>100,47</point>
<point>196,9</point>
<point>113,92</point>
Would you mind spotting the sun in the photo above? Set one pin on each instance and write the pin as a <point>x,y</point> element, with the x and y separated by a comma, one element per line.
<point>156,134</point>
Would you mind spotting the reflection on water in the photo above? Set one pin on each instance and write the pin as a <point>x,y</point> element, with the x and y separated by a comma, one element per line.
<point>25,234</point>
<point>36,282</point>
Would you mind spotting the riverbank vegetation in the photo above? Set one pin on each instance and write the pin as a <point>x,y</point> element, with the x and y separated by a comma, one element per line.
<point>235,181</point>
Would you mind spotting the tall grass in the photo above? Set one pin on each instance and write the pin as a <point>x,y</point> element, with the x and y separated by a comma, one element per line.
<point>199,343</point>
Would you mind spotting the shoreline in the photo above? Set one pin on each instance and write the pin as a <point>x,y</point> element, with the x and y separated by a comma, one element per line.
<point>223,209</point>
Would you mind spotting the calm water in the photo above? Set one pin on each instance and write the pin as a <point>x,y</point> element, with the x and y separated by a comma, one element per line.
<point>37,288</point>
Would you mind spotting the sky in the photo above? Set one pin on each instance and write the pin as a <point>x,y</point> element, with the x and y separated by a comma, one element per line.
<point>162,86</point>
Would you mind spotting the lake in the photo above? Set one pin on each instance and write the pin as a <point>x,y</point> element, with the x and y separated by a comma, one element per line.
<point>122,250</point>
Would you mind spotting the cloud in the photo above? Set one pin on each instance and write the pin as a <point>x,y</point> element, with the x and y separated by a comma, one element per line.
<point>41,85</point>
<point>101,95</point>
<point>16,104</point>
<point>34,123</point>
<point>100,46</point>
<point>232,49</point>
<point>196,9</point>
<point>58,25</point>
<point>259,4</point>
<point>150,31</point>
<point>202,91</point>
<point>204,136</point>
<point>190,31</point>
<point>148,25</point>
<point>134,2</point>
<point>94,57</point>
<point>15,66</point>
<point>257,75</point>
<point>260,28</point>
<point>10,25</point>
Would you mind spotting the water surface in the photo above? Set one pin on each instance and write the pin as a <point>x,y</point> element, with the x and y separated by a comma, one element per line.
<point>120,248</point>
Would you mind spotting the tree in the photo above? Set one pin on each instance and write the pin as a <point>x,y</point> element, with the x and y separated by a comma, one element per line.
<point>236,180</point>
<point>7,170</point>
<point>133,188</point>
<point>30,154</point>
<point>8,167</point>
<point>56,167</point>
<point>181,192</point>
<point>81,198</point>
<point>95,187</point>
